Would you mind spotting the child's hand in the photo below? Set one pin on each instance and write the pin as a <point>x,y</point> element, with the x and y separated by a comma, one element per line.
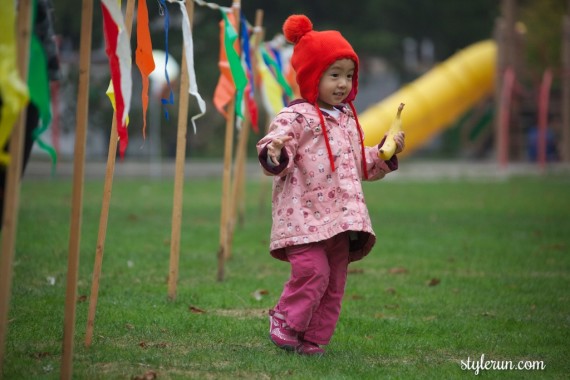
<point>275,146</point>
<point>400,142</point>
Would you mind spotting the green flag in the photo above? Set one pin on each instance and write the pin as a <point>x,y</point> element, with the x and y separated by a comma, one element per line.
<point>236,68</point>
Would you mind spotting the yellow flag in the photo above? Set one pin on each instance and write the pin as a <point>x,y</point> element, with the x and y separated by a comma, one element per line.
<point>14,91</point>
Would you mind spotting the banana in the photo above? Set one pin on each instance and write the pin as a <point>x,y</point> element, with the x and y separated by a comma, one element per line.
<point>389,147</point>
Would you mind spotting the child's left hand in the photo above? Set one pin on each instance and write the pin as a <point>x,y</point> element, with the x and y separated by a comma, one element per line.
<point>400,138</point>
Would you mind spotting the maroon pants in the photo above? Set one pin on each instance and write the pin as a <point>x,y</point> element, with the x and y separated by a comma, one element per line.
<point>311,299</point>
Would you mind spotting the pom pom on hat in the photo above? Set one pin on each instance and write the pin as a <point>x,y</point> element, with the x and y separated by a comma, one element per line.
<point>295,27</point>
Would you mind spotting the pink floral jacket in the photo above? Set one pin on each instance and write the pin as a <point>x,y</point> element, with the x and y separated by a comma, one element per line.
<point>310,202</point>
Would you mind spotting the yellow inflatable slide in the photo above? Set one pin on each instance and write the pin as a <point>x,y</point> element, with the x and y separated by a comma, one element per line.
<point>437,98</point>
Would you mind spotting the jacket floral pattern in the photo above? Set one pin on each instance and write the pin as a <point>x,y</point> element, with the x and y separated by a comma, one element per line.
<point>311,202</point>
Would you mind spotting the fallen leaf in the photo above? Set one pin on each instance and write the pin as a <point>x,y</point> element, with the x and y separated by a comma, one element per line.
<point>259,293</point>
<point>143,345</point>
<point>392,307</point>
<point>196,310</point>
<point>433,282</point>
<point>82,298</point>
<point>356,297</point>
<point>398,270</point>
<point>430,318</point>
<point>488,314</point>
<point>129,326</point>
<point>356,271</point>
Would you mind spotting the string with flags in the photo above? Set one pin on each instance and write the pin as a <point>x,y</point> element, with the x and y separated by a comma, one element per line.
<point>237,78</point>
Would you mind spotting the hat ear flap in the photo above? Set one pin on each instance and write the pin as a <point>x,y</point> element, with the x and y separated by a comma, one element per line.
<point>295,27</point>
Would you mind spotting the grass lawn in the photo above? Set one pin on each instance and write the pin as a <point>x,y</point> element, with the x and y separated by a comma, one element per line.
<point>461,269</point>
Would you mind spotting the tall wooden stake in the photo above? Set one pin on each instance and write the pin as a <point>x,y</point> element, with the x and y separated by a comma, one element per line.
<point>179,170</point>
<point>77,193</point>
<point>12,192</point>
<point>104,217</point>
<point>226,184</point>
<point>238,183</point>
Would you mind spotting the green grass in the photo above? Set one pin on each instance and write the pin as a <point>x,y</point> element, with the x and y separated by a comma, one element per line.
<point>499,249</point>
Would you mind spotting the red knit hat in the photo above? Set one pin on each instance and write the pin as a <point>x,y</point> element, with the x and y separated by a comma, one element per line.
<point>313,53</point>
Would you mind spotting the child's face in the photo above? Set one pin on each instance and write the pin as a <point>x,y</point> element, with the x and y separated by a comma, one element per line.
<point>336,83</point>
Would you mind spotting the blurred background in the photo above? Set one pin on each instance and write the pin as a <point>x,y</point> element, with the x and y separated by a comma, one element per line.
<point>397,43</point>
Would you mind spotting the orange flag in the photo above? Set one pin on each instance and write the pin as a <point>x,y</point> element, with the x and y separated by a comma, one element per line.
<point>225,89</point>
<point>144,58</point>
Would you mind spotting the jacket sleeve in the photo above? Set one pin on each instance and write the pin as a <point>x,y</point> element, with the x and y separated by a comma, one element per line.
<point>284,124</point>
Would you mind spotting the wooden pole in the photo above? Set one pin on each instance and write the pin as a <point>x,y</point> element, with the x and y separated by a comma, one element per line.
<point>500,70</point>
<point>77,193</point>
<point>505,117</point>
<point>565,143</point>
<point>104,217</point>
<point>179,170</point>
<point>12,191</point>
<point>241,154</point>
<point>226,184</point>
<point>543,100</point>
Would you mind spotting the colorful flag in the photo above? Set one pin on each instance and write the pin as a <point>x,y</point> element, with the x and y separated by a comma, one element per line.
<point>236,68</point>
<point>119,52</point>
<point>13,90</point>
<point>276,69</point>
<point>249,90</point>
<point>189,53</point>
<point>225,89</point>
<point>144,58</point>
<point>38,84</point>
<point>271,91</point>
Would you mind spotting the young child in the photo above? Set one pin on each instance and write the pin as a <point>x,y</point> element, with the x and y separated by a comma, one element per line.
<point>315,150</point>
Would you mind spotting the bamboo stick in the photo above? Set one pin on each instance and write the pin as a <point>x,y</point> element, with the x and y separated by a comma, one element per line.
<point>227,178</point>
<point>104,217</point>
<point>179,170</point>
<point>78,182</point>
<point>12,191</point>
<point>101,236</point>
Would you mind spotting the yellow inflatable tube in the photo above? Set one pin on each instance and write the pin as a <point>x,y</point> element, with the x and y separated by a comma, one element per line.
<point>437,98</point>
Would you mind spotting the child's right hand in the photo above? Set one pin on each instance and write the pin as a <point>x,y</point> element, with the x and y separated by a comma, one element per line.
<point>275,146</point>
